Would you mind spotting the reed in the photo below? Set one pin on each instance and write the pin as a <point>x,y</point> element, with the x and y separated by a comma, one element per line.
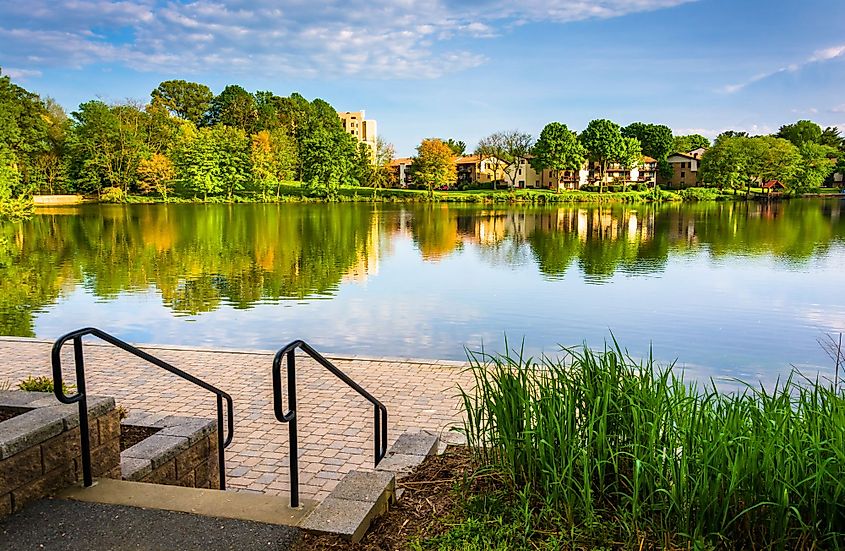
<point>599,438</point>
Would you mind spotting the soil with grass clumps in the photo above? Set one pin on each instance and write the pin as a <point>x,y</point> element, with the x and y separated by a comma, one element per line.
<point>428,500</point>
<point>132,434</point>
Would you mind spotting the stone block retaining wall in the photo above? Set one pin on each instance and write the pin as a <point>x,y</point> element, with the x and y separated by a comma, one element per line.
<point>182,453</point>
<point>40,449</point>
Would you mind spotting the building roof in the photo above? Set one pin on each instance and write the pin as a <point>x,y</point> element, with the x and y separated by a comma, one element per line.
<point>771,184</point>
<point>685,155</point>
<point>647,159</point>
<point>401,161</point>
<point>467,159</point>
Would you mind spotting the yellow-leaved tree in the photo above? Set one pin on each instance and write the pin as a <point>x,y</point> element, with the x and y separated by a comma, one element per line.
<point>434,166</point>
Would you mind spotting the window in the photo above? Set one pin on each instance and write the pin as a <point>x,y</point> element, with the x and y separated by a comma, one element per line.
<point>683,174</point>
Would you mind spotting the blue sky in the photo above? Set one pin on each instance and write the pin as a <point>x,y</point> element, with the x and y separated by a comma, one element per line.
<point>454,68</point>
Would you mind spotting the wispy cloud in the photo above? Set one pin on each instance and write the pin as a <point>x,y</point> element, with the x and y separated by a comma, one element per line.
<point>752,130</point>
<point>826,54</point>
<point>20,74</point>
<point>375,38</point>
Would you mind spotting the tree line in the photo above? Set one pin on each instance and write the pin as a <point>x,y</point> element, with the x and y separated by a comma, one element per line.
<point>185,139</point>
<point>557,149</point>
<point>800,155</point>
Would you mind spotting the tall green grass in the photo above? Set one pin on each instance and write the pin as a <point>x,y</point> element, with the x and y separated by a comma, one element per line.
<point>601,439</point>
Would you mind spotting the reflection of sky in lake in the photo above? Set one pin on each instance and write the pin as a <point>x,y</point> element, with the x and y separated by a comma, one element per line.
<point>726,290</point>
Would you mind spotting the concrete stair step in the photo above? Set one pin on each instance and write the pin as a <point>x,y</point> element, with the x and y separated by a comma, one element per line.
<point>267,509</point>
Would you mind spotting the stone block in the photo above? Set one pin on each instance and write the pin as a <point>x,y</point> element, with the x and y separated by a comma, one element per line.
<point>61,450</point>
<point>30,429</point>
<point>109,427</point>
<point>152,420</point>
<point>369,486</point>
<point>400,463</point>
<point>415,443</point>
<point>342,517</point>
<point>157,449</point>
<point>42,486</point>
<point>105,458</point>
<point>20,397</point>
<point>164,474</point>
<point>192,428</point>
<point>5,505</point>
<point>20,469</point>
<point>190,458</point>
<point>187,480</point>
<point>132,468</point>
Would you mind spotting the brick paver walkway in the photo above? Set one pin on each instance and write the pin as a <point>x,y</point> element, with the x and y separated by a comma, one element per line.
<point>335,424</point>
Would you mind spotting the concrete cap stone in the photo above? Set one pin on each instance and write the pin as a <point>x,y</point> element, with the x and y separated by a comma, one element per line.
<point>342,517</point>
<point>133,468</point>
<point>415,443</point>
<point>400,463</point>
<point>192,428</point>
<point>369,486</point>
<point>157,449</point>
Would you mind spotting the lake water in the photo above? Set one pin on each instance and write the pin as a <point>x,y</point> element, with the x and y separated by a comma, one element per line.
<point>727,289</point>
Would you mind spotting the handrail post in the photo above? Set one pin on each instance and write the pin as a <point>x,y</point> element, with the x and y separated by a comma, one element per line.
<point>221,461</point>
<point>294,448</point>
<point>84,434</point>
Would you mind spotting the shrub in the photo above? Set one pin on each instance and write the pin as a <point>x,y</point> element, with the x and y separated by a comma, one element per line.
<point>42,384</point>
<point>112,195</point>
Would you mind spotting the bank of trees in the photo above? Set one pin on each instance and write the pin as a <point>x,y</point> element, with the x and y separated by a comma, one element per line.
<point>185,140</point>
<point>802,156</point>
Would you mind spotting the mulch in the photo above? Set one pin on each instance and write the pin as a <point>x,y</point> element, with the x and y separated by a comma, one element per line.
<point>429,498</point>
<point>132,434</point>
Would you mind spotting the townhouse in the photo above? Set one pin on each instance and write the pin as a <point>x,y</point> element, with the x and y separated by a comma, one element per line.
<point>685,169</point>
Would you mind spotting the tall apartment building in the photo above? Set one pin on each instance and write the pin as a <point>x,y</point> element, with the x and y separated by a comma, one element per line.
<point>364,130</point>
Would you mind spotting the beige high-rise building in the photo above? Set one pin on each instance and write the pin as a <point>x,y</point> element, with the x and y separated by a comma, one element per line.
<point>363,129</point>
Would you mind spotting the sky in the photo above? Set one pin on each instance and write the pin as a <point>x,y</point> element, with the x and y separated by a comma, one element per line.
<point>449,68</point>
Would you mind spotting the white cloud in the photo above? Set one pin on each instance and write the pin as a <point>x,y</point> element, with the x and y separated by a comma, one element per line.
<point>20,74</point>
<point>376,38</point>
<point>752,130</point>
<point>827,54</point>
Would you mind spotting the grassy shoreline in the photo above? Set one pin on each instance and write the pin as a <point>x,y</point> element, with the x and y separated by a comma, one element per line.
<point>296,192</point>
<point>598,451</point>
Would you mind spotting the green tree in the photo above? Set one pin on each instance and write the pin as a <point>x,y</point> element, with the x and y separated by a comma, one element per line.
<point>232,152</point>
<point>558,149</point>
<point>328,160</point>
<point>630,154</point>
<point>187,100</point>
<point>458,147</point>
<point>657,142</point>
<point>603,141</point>
<point>725,164</point>
<point>434,165</point>
<point>196,162</point>
<point>684,144</point>
<point>656,139</point>
<point>831,137</point>
<point>233,107</point>
<point>106,144</point>
<point>817,163</point>
<point>801,132</point>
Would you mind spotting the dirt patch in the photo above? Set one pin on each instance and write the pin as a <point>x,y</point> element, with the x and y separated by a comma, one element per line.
<point>7,412</point>
<point>428,500</point>
<point>132,434</point>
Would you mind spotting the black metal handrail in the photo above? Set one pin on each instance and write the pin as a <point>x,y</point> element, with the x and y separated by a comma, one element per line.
<point>289,416</point>
<point>81,396</point>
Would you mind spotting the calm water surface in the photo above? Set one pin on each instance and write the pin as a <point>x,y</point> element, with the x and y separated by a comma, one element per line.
<point>727,289</point>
